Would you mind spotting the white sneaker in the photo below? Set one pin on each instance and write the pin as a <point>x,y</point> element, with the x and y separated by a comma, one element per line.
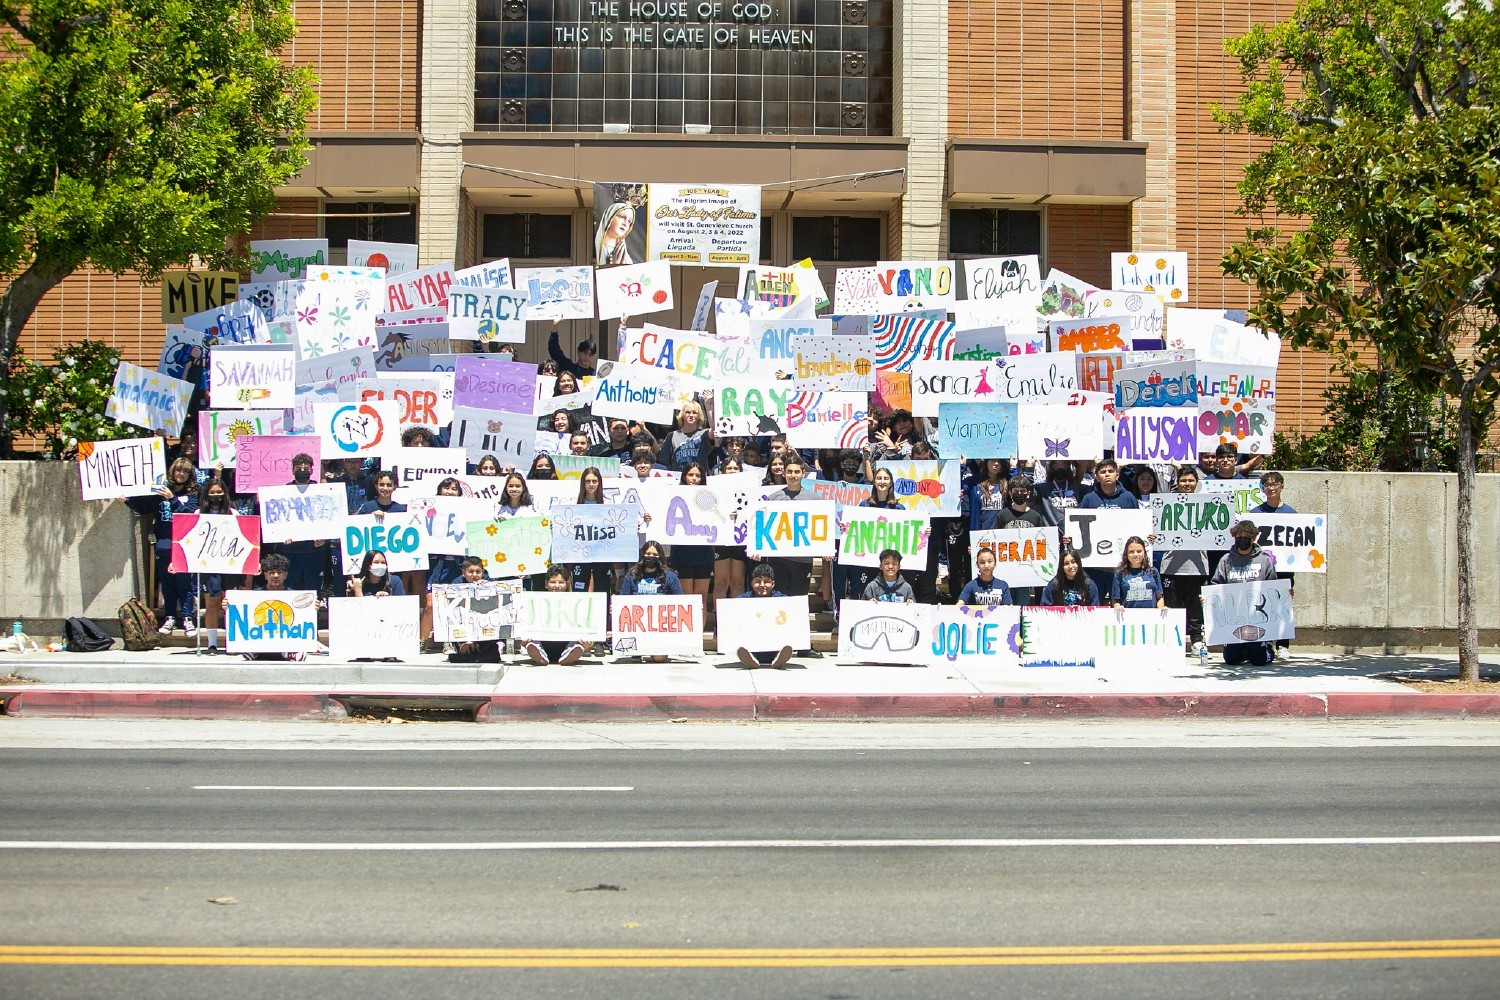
<point>167,625</point>
<point>190,629</point>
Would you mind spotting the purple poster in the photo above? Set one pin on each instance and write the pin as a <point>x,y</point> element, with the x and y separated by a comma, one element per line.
<point>1157,434</point>
<point>491,384</point>
<point>266,459</point>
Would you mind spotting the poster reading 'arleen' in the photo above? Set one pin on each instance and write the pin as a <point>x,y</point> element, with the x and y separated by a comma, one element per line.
<point>704,224</point>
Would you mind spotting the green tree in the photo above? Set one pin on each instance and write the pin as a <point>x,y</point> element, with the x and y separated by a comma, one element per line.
<point>136,135</point>
<point>1386,148</point>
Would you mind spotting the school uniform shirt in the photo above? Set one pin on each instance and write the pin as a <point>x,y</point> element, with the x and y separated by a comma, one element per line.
<point>985,594</point>
<point>1028,518</point>
<point>650,586</point>
<point>1067,597</point>
<point>1266,508</point>
<point>891,593</point>
<point>985,506</point>
<point>373,507</point>
<point>1136,588</point>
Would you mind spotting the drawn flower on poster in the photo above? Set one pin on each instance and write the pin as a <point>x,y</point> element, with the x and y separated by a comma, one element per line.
<point>308,316</point>
<point>339,315</point>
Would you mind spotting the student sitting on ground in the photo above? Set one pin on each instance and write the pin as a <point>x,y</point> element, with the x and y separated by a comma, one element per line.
<point>561,651</point>
<point>985,590</point>
<point>763,584</point>
<point>890,587</point>
<point>275,567</point>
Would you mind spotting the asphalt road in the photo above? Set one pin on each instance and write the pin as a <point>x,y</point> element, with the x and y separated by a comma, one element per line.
<point>748,871</point>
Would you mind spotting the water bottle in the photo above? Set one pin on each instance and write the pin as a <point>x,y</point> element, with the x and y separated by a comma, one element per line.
<point>15,627</point>
<point>1203,655</point>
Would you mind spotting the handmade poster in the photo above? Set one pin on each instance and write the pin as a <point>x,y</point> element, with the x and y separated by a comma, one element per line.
<point>545,614</point>
<point>1101,637</point>
<point>634,289</point>
<point>342,368</point>
<point>978,430</point>
<point>826,363</point>
<point>572,467</point>
<point>901,341</point>
<point>553,293</point>
<point>762,624</point>
<point>705,304</point>
<point>302,513</point>
<point>1092,333</point>
<point>1243,381</point>
<point>1099,535</point>
<point>876,632</point>
<point>182,354</point>
<point>907,285</point>
<point>424,400</point>
<point>126,468</point>
<point>1009,279</point>
<point>707,225</point>
<point>491,274</point>
<point>792,530</point>
<point>184,293</point>
<point>337,315</point>
<point>218,429</point>
<point>148,399</point>
<point>1298,541</point>
<point>471,612</point>
<point>551,443</point>
<point>444,520</point>
<point>855,291</point>
<point>772,353</point>
<point>841,493</point>
<point>1197,522</point>
<point>689,354</point>
<point>1245,422</point>
<point>271,621</point>
<point>1217,337</point>
<point>594,533</point>
<point>358,430</point>
<point>278,260</point>
<point>634,392</point>
<point>1063,295</point>
<point>1151,434</point>
<point>751,409</point>
<point>301,415</point>
<point>1160,272</point>
<point>828,420</point>
<point>926,486</point>
<point>1024,557</point>
<point>980,344</point>
<point>1157,385</point>
<point>1259,611</point>
<point>411,347</point>
<point>419,470</point>
<point>1145,310</point>
<point>795,291</point>
<point>657,626</point>
<point>511,546</point>
<point>1048,431</point>
<point>416,362</point>
<point>400,535</point>
<point>426,288</point>
<point>1244,494</point>
<point>488,383</point>
<point>252,378</point>
<point>865,532</point>
<point>215,543</point>
<point>487,315</point>
<point>1026,378</point>
<point>685,515</point>
<point>391,258</point>
<point>978,636</point>
<point>266,459</point>
<point>892,391</point>
<point>374,628</point>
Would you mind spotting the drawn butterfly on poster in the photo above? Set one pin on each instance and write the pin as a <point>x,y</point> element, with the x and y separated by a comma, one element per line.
<point>1049,431</point>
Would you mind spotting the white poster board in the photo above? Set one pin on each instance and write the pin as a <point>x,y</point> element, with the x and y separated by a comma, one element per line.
<point>1248,612</point>
<point>763,624</point>
<point>375,628</point>
<point>657,625</point>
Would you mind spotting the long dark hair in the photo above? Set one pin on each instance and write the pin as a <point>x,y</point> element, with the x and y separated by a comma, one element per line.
<point>702,475</point>
<point>582,495</point>
<point>203,504</point>
<point>639,569</point>
<point>1061,584</point>
<point>505,492</point>
<point>551,468</point>
<point>368,582</point>
<point>1125,566</point>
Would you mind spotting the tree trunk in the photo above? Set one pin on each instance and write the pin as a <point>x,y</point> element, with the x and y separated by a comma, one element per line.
<point>1468,628</point>
<point>17,303</point>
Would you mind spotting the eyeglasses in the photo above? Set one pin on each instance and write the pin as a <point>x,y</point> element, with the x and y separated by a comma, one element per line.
<point>898,635</point>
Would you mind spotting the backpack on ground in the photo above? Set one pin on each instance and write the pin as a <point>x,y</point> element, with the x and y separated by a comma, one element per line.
<point>83,635</point>
<point>138,626</point>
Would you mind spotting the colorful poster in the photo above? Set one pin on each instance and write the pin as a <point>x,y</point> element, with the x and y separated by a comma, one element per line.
<point>148,399</point>
<point>892,391</point>
<point>1063,295</point>
<point>1099,535</point>
<point>444,521</point>
<point>556,292</point>
<point>825,363</point>
<point>634,392</point>
<point>511,546</point>
<point>1093,333</point>
<point>471,612</point>
<point>792,530</point>
<point>486,315</point>
<point>301,416</point>
<point>336,315</point>
<point>884,633</point>
<point>215,543</point>
<point>510,437</point>
<point>218,429</point>
<point>389,258</point>
<point>411,347</point>
<point>978,430</point>
<point>252,378</point>
<point>751,408</point>
<point>1245,422</point>
<point>841,493</point>
<point>981,344</point>
<point>1259,611</point>
<point>772,353</point>
<point>341,368</point>
<point>266,459</point>
<point>708,225</point>
<point>1101,637</point>
<point>423,400</point>
<point>419,470</point>
<point>978,636</point>
<point>865,532</point>
<point>302,513</point>
<point>374,628</point>
<point>490,274</point>
<point>1146,312</point>
<point>1025,378</point>
<point>595,533</point>
<point>1196,522</point>
<point>693,356</point>
<point>1157,385</point>
<point>1024,557</point>
<point>657,626</point>
<point>762,624</point>
<point>855,291</point>
<point>1149,434</point>
<point>426,288</point>
<point>400,535</point>
<point>182,353</point>
<point>271,621</point>
<point>544,614</point>
<point>1242,381</point>
<point>1298,541</point>
<point>828,420</point>
<point>1244,494</point>
<point>184,293</point>
<point>358,430</point>
<point>280,260</point>
<point>1007,279</point>
<point>127,468</point>
<point>927,486</point>
<point>684,515</point>
<point>1160,272</point>
<point>1049,431</point>
<point>901,341</point>
<point>634,289</point>
<point>904,285</point>
<point>487,383</point>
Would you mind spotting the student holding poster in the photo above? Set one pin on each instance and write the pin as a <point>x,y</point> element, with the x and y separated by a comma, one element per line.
<point>1071,588</point>
<point>565,652</point>
<point>763,584</point>
<point>1245,563</point>
<point>374,579</point>
<point>985,590</point>
<point>695,563</point>
<point>179,591</point>
<point>1271,484</point>
<point>213,498</point>
<point>1136,584</point>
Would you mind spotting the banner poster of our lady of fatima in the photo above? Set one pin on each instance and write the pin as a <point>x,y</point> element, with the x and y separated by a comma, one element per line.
<point>620,220</point>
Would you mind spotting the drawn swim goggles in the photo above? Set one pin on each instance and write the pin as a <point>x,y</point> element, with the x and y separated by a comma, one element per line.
<point>898,635</point>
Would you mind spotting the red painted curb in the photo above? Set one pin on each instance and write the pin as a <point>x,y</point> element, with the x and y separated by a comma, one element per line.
<point>1041,706</point>
<point>511,708</point>
<point>174,705</point>
<point>1414,703</point>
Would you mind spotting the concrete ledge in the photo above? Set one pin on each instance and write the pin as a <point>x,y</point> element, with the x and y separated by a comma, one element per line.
<point>1415,703</point>
<point>1186,705</point>
<point>248,705</point>
<point>515,708</point>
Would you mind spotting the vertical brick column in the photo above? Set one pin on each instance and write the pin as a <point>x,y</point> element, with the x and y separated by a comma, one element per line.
<point>1153,119</point>
<point>920,112</point>
<point>447,112</point>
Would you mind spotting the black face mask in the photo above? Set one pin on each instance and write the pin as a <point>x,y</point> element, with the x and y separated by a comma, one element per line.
<point>1020,498</point>
<point>1244,544</point>
<point>301,475</point>
<point>651,565</point>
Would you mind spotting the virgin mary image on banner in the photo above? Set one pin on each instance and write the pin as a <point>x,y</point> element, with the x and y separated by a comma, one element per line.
<point>619,224</point>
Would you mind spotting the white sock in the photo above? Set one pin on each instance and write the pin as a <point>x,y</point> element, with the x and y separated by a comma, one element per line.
<point>213,636</point>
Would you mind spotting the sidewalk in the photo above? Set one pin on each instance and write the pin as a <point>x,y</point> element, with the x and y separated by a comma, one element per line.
<point>176,683</point>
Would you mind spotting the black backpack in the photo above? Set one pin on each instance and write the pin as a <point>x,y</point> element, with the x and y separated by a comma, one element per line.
<point>83,635</point>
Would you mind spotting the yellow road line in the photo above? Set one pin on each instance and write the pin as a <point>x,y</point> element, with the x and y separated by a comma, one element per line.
<point>620,958</point>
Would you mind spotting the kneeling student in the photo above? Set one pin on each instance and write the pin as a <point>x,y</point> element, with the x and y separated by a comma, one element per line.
<point>763,584</point>
<point>561,651</point>
<point>890,587</point>
<point>471,570</point>
<point>985,590</point>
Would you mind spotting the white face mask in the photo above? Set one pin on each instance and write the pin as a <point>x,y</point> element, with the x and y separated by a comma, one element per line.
<point>377,569</point>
